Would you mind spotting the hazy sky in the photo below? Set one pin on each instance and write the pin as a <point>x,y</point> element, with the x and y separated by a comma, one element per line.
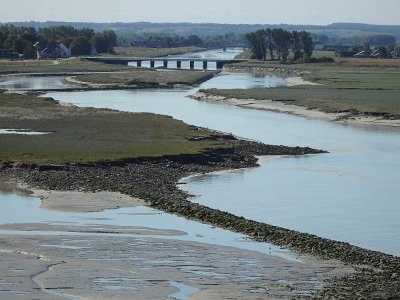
<point>203,11</point>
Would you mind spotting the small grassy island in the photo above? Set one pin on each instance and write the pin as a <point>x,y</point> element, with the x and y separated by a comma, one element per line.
<point>143,78</point>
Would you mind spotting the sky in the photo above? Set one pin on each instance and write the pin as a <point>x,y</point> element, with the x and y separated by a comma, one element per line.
<point>319,12</point>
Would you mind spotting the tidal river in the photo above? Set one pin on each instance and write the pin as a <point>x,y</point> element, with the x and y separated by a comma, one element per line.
<point>351,194</point>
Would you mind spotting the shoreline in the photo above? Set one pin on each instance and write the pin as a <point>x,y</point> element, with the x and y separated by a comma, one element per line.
<point>159,186</point>
<point>313,114</point>
<point>72,84</point>
<point>25,250</point>
<point>156,179</point>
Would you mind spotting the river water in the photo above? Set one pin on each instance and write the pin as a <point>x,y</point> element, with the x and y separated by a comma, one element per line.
<point>351,194</point>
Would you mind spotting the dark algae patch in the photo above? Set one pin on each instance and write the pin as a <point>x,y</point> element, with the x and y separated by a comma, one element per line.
<point>145,155</point>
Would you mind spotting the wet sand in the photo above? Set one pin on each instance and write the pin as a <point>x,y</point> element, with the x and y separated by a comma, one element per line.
<point>135,267</point>
<point>44,260</point>
<point>74,201</point>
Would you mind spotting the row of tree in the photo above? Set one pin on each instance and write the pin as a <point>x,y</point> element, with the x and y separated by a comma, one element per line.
<point>280,42</point>
<point>162,40</point>
<point>27,40</point>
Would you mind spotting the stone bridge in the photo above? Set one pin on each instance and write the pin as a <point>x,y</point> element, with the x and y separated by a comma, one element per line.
<point>166,61</point>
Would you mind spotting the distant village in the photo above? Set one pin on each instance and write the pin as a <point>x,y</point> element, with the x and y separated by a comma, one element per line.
<point>53,42</point>
<point>17,43</point>
<point>361,52</point>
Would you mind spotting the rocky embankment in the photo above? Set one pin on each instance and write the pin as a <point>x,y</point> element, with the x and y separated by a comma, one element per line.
<point>155,180</point>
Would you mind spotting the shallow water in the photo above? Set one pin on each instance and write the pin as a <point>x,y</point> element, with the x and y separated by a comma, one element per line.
<point>32,83</point>
<point>198,65</point>
<point>17,208</point>
<point>183,291</point>
<point>21,132</point>
<point>350,194</point>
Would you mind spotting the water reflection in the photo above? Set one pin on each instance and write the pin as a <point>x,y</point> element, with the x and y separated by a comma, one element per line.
<point>350,194</point>
<point>33,83</point>
<point>18,207</point>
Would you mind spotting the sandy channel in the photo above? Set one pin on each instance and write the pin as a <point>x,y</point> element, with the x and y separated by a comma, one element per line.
<point>66,261</point>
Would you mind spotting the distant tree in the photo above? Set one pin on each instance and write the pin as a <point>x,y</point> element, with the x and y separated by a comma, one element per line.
<point>270,42</point>
<point>282,43</point>
<point>88,33</point>
<point>105,41</point>
<point>297,46</point>
<point>29,52</point>
<point>100,43</point>
<point>29,34</point>
<point>307,45</point>
<point>320,38</point>
<point>257,43</point>
<point>9,41</point>
<point>81,46</point>
<point>194,40</point>
<point>381,39</point>
<point>20,44</point>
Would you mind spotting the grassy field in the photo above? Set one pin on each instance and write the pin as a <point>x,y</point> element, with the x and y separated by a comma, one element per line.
<point>77,65</point>
<point>57,66</point>
<point>362,85</point>
<point>147,76</point>
<point>89,135</point>
<point>328,100</point>
<point>154,52</point>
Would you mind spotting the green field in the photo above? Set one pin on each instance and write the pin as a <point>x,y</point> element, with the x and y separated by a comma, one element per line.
<point>360,85</point>
<point>147,76</point>
<point>75,64</point>
<point>57,66</point>
<point>326,99</point>
<point>89,135</point>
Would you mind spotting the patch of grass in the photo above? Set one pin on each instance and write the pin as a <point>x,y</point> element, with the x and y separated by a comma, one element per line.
<point>148,77</point>
<point>154,52</point>
<point>363,85</point>
<point>57,66</point>
<point>328,100</point>
<point>78,135</point>
<point>318,54</point>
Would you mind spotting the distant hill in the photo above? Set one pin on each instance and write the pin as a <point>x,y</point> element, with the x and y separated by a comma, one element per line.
<point>338,30</point>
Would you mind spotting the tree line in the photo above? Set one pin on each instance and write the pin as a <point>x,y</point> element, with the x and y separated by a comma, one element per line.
<point>27,40</point>
<point>279,42</point>
<point>166,40</point>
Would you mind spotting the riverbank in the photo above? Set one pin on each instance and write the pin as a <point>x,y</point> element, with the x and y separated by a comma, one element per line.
<point>155,180</point>
<point>140,79</point>
<point>56,67</point>
<point>354,91</point>
<point>353,286</point>
<point>351,117</point>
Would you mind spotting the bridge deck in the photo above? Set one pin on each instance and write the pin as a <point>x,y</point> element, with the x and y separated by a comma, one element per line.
<point>132,58</point>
